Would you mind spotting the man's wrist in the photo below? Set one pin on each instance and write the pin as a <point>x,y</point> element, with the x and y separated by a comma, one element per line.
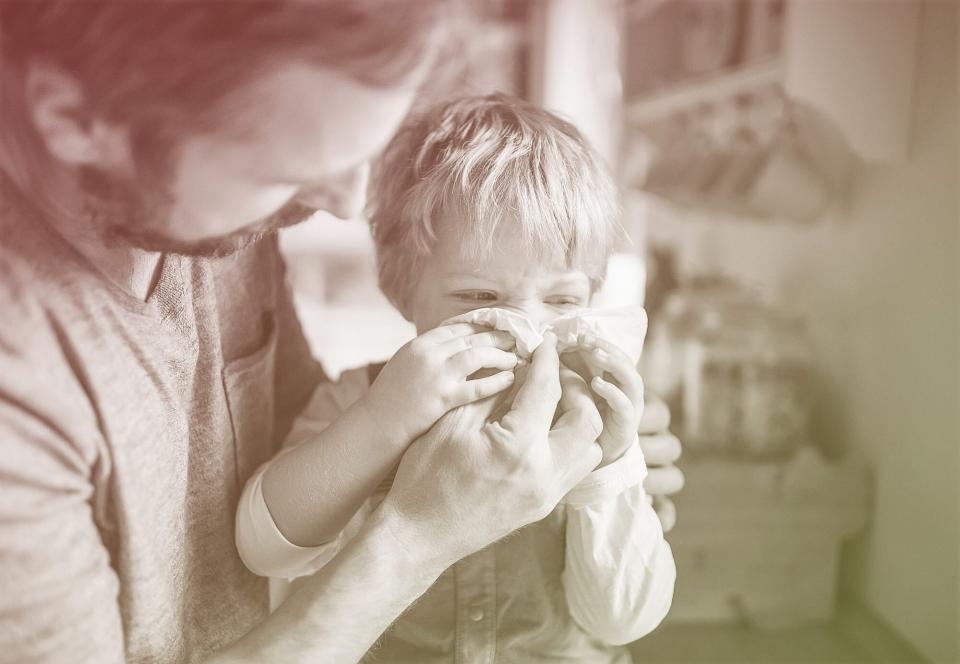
<point>424,555</point>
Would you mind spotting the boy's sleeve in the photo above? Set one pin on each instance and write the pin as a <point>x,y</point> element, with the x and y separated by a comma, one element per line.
<point>619,573</point>
<point>261,545</point>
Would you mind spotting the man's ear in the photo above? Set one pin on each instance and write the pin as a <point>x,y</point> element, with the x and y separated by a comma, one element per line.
<point>58,111</point>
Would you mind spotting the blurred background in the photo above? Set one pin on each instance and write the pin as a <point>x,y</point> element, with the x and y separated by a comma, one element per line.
<point>789,181</point>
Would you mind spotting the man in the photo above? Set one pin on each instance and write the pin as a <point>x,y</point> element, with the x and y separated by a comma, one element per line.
<point>150,357</point>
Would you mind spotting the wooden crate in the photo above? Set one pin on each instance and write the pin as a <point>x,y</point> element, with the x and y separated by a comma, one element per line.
<point>759,543</point>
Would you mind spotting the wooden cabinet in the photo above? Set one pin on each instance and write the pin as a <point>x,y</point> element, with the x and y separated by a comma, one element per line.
<point>759,543</point>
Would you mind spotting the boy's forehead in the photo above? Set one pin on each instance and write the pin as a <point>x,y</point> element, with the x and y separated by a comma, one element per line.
<point>505,248</point>
<point>512,266</point>
<point>461,248</point>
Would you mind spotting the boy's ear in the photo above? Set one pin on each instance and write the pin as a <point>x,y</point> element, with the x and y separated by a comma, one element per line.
<point>400,302</point>
<point>403,306</point>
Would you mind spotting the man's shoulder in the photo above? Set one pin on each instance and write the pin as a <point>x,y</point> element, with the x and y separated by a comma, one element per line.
<point>34,272</point>
<point>37,300</point>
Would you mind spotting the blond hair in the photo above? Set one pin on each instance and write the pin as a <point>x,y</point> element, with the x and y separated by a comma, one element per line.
<point>486,161</point>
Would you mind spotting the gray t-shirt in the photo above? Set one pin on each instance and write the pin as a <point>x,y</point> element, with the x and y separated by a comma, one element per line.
<point>127,431</point>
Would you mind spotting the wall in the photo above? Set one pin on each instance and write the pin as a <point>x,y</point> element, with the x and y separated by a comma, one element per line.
<point>879,280</point>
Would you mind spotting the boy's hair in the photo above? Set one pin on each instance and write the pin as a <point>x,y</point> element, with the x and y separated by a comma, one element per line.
<point>483,161</point>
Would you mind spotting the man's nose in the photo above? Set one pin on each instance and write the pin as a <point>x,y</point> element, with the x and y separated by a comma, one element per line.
<point>342,196</point>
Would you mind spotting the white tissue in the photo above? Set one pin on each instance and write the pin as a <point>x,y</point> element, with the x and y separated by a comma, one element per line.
<point>624,327</point>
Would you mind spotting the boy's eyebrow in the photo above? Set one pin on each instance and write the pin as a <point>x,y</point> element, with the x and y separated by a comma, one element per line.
<point>471,275</point>
<point>571,279</point>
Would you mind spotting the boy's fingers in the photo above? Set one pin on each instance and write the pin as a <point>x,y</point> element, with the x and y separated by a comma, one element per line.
<point>620,405</point>
<point>611,349</point>
<point>486,339</point>
<point>452,331</point>
<point>470,361</point>
<point>537,398</point>
<point>481,388</point>
<point>608,357</point>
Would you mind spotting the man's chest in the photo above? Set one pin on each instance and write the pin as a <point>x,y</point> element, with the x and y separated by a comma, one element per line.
<point>184,398</point>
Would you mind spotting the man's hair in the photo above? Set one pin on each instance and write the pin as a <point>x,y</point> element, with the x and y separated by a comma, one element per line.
<point>483,161</point>
<point>134,52</point>
<point>161,68</point>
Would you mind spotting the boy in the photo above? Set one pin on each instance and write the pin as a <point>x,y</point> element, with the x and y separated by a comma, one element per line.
<point>487,211</point>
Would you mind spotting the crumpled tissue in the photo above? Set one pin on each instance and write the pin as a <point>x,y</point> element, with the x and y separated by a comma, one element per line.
<point>625,327</point>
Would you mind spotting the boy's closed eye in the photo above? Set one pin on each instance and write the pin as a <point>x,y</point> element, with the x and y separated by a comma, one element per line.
<point>568,301</point>
<point>490,297</point>
<point>475,296</point>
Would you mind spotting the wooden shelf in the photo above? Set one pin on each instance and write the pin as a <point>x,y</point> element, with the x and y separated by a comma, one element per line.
<point>717,87</point>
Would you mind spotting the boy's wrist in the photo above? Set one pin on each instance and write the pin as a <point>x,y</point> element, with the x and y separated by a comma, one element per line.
<point>389,432</point>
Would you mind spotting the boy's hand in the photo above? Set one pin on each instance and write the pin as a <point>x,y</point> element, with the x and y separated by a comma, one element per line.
<point>429,376</point>
<point>618,384</point>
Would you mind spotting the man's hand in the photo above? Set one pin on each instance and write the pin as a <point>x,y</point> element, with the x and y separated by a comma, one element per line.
<point>469,482</point>
<point>661,450</point>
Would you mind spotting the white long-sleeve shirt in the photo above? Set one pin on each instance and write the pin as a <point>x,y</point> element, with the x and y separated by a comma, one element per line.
<point>596,573</point>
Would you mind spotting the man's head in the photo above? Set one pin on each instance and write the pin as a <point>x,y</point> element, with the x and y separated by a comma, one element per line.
<point>491,201</point>
<point>193,126</point>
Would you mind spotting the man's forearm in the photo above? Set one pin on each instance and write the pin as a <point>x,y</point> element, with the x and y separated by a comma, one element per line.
<point>341,611</point>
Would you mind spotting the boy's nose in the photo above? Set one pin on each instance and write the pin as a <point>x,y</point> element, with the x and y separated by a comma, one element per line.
<point>535,312</point>
<point>342,196</point>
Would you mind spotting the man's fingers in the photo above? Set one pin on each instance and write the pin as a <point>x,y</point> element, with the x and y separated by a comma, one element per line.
<point>573,389</point>
<point>664,481</point>
<point>591,458</point>
<point>574,453</point>
<point>468,362</point>
<point>666,512</point>
<point>656,416</point>
<point>660,449</point>
<point>537,398</point>
<point>573,437</point>
<point>582,422</point>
